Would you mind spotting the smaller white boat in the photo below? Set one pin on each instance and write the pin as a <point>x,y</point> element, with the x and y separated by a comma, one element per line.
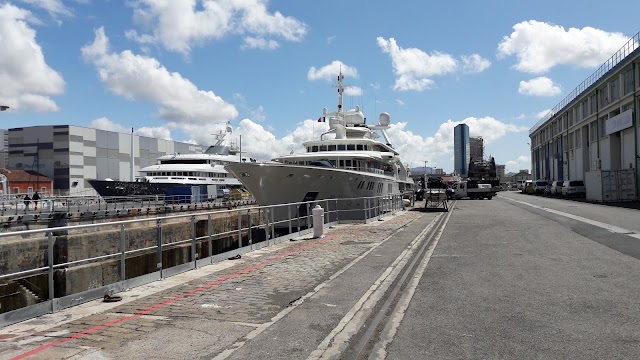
<point>176,173</point>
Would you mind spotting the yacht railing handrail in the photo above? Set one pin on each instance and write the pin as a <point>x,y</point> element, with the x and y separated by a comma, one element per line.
<point>621,54</point>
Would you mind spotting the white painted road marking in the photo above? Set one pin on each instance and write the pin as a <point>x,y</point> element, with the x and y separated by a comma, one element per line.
<point>612,228</point>
<point>338,339</point>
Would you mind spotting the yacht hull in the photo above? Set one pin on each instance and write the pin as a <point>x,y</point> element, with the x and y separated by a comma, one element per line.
<point>273,184</point>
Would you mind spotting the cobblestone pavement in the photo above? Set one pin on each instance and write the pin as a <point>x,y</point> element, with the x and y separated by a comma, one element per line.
<point>206,312</point>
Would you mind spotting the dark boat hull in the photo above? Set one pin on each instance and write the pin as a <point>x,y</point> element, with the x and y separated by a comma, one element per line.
<point>106,188</point>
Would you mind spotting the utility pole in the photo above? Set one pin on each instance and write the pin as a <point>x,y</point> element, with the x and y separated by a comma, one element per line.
<point>425,173</point>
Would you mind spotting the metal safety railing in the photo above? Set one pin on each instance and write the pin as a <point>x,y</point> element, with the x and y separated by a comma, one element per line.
<point>16,205</point>
<point>626,50</point>
<point>65,266</point>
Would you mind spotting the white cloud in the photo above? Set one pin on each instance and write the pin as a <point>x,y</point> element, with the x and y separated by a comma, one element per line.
<point>26,81</point>
<point>375,86</point>
<point>540,46</point>
<point>54,7</point>
<point>474,63</point>
<point>160,132</point>
<point>438,148</point>
<point>540,86</point>
<point>104,123</point>
<point>141,78</point>
<point>259,43</point>
<point>413,67</point>
<point>331,39</point>
<point>542,114</point>
<point>353,91</point>
<point>261,144</point>
<point>522,162</point>
<point>259,114</point>
<point>180,25</point>
<point>330,72</point>
<point>400,102</point>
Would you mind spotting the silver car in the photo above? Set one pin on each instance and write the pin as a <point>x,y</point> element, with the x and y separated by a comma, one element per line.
<point>556,188</point>
<point>573,188</point>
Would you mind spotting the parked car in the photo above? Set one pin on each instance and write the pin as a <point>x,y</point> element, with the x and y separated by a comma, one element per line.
<point>556,188</point>
<point>573,188</point>
<point>539,186</point>
<point>526,185</point>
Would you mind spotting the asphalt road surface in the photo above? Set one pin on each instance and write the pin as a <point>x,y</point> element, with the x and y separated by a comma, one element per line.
<point>515,277</point>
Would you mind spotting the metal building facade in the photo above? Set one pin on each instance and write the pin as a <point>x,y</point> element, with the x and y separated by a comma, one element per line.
<point>71,155</point>
<point>595,127</point>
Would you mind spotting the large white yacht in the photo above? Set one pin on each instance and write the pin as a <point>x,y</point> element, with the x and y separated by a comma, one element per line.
<point>175,171</point>
<point>348,161</point>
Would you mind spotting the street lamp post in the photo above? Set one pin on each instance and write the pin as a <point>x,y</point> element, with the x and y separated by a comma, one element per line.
<point>425,173</point>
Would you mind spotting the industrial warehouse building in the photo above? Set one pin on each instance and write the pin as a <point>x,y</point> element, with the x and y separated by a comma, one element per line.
<point>592,135</point>
<point>71,155</point>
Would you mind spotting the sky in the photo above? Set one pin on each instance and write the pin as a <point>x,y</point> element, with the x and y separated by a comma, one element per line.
<point>182,69</point>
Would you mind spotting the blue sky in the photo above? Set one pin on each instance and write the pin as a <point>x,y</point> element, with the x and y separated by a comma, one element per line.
<point>180,69</point>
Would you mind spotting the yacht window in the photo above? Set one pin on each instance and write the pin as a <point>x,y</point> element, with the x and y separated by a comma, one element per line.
<point>366,147</point>
<point>347,163</point>
<point>323,147</point>
<point>351,147</point>
<point>341,163</point>
<point>359,147</point>
<point>332,148</point>
<point>342,147</point>
<point>314,148</point>
<point>333,162</point>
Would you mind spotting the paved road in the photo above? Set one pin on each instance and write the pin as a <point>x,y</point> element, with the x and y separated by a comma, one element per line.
<point>512,277</point>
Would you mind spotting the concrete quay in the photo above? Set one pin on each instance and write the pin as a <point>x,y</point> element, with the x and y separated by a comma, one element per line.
<point>514,277</point>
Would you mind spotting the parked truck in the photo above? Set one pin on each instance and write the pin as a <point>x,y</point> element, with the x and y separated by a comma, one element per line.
<point>473,190</point>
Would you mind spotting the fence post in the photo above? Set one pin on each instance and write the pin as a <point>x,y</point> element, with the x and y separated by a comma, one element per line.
<point>308,215</point>
<point>289,217</point>
<point>239,230</point>
<point>249,236</point>
<point>159,246</point>
<point>123,255</point>
<point>209,234</point>
<point>327,216</point>
<point>267,213</point>
<point>273,227</point>
<point>194,254</point>
<point>50,259</point>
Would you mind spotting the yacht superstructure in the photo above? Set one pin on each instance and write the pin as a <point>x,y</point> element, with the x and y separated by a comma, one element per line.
<point>348,161</point>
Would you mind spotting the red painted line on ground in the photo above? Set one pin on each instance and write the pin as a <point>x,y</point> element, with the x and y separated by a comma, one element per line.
<point>167,302</point>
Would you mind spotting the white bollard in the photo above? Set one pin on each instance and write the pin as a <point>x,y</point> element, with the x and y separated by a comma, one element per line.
<point>318,221</point>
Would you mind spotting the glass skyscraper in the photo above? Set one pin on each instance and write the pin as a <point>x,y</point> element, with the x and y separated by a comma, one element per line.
<point>461,150</point>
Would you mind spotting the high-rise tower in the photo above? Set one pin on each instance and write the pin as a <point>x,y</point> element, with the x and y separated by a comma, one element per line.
<point>461,151</point>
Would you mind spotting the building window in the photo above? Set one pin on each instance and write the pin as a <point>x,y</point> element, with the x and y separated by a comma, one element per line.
<point>16,190</point>
<point>615,89</point>
<point>585,109</point>
<point>571,138</point>
<point>627,78</point>
<point>603,126</point>
<point>578,138</point>
<point>604,97</point>
<point>570,117</point>
<point>593,101</point>
<point>30,190</point>
<point>593,131</point>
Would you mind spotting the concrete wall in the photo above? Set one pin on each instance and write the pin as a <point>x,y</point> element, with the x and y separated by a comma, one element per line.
<point>19,254</point>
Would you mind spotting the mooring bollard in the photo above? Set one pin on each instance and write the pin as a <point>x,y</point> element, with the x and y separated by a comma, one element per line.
<point>318,223</point>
